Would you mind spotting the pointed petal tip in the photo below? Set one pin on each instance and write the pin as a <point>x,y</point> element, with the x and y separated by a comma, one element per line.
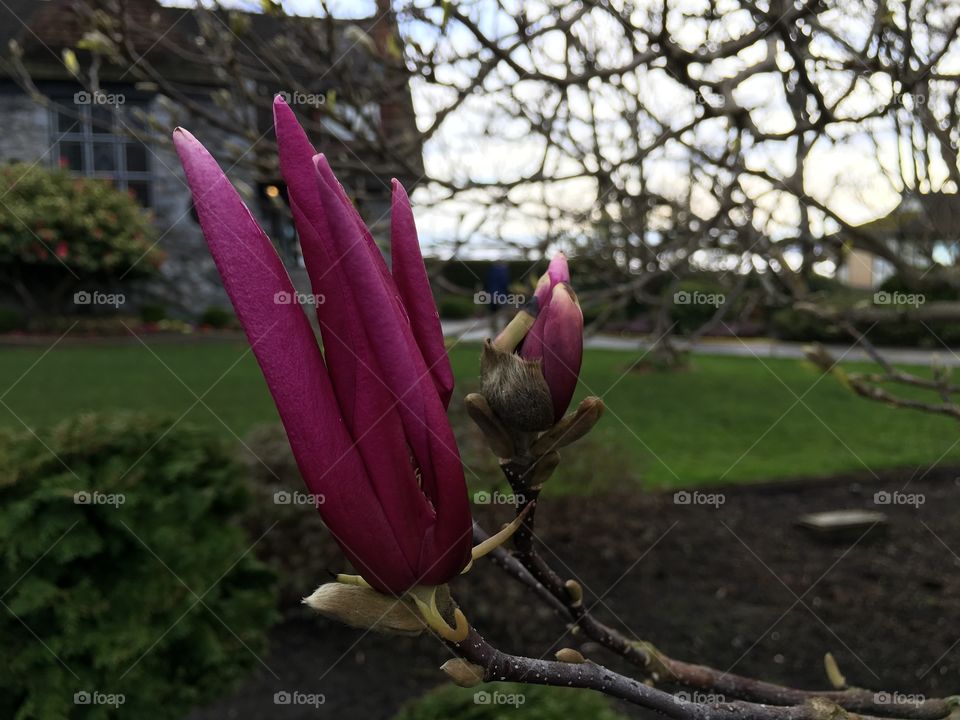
<point>559,270</point>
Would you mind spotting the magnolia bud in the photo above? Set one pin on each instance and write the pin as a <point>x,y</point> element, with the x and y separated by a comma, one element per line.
<point>515,390</point>
<point>572,427</point>
<point>490,425</point>
<point>569,655</point>
<point>463,673</point>
<point>363,607</point>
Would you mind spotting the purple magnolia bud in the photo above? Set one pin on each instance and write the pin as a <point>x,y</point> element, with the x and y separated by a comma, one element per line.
<point>556,337</point>
<point>366,416</point>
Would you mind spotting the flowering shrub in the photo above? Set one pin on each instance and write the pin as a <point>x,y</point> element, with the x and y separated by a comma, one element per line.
<point>120,549</point>
<point>59,232</point>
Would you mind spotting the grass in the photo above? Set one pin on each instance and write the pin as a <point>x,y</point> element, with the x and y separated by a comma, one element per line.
<point>725,420</point>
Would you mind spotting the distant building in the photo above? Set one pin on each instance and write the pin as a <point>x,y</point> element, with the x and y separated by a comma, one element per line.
<point>921,226</point>
<point>86,134</point>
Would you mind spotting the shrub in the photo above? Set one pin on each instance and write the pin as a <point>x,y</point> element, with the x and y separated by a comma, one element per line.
<point>11,320</point>
<point>153,313</point>
<point>456,307</point>
<point>120,546</point>
<point>60,233</point>
<point>294,540</point>
<point>218,318</point>
<point>490,702</point>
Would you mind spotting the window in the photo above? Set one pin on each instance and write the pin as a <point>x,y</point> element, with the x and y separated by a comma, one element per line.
<point>95,141</point>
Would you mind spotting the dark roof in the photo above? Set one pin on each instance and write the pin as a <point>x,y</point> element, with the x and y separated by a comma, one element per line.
<point>920,218</point>
<point>166,37</point>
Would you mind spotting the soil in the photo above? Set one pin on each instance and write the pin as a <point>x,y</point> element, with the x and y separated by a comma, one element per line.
<point>738,586</point>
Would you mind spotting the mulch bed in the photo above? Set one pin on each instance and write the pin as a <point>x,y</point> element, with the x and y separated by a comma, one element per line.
<point>713,585</point>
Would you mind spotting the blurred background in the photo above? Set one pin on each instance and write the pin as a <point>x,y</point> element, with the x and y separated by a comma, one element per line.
<point>759,203</point>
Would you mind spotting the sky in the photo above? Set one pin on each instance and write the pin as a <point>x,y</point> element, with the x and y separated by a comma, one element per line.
<point>846,172</point>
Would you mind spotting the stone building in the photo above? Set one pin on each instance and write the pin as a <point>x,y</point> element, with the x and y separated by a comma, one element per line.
<point>118,130</point>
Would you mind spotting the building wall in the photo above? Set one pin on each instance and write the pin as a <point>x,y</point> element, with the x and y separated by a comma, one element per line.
<point>188,281</point>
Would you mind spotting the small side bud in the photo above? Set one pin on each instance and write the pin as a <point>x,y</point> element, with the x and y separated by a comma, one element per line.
<point>571,427</point>
<point>575,591</point>
<point>544,468</point>
<point>493,430</point>
<point>836,678</point>
<point>463,673</point>
<point>569,655</point>
<point>363,607</point>
<point>515,390</point>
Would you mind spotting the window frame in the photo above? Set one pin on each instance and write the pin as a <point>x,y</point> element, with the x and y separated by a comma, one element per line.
<point>87,136</point>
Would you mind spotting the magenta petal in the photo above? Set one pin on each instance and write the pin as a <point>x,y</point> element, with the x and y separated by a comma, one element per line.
<point>562,347</point>
<point>558,270</point>
<point>369,408</point>
<point>285,347</point>
<point>410,276</point>
<point>404,371</point>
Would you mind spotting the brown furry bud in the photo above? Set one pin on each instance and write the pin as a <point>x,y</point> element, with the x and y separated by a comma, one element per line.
<point>516,390</point>
<point>363,607</point>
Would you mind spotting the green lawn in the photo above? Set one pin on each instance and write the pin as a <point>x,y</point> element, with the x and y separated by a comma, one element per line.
<point>725,420</point>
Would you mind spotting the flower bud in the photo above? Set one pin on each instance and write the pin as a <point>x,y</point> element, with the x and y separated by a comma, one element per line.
<point>558,344</point>
<point>463,673</point>
<point>363,607</point>
<point>515,389</point>
<point>569,655</point>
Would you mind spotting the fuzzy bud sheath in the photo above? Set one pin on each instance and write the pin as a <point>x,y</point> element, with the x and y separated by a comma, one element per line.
<point>363,607</point>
